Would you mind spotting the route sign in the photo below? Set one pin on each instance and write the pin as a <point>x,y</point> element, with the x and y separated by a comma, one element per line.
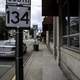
<point>17,16</point>
<point>23,2</point>
<point>35,27</point>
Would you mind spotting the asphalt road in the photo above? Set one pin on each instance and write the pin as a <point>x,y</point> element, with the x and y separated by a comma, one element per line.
<point>7,66</point>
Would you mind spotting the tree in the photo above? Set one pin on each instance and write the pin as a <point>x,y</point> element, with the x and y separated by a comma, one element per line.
<point>3,29</point>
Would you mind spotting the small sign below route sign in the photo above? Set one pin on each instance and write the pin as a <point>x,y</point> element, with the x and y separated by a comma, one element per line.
<point>23,2</point>
<point>17,16</point>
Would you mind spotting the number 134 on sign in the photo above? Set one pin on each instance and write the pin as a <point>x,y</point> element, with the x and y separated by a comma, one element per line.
<point>17,16</point>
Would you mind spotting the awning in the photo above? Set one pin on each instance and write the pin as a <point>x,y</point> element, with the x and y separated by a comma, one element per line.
<point>48,23</point>
<point>48,20</point>
<point>74,7</point>
<point>51,7</point>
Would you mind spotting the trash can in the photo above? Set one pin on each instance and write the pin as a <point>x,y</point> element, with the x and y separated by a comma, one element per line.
<point>36,46</point>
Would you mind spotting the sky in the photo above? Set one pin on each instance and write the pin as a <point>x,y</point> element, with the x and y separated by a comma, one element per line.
<point>36,14</point>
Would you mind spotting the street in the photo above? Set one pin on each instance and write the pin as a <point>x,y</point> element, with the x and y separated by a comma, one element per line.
<point>42,66</point>
<point>7,65</point>
<point>38,65</point>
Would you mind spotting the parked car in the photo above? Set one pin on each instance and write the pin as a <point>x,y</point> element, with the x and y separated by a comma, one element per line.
<point>7,51</point>
<point>12,42</point>
<point>8,48</point>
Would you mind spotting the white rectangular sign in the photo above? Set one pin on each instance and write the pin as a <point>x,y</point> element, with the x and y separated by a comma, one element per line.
<point>23,2</point>
<point>17,16</point>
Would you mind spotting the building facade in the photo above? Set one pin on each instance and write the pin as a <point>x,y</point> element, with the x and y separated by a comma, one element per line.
<point>48,31</point>
<point>66,37</point>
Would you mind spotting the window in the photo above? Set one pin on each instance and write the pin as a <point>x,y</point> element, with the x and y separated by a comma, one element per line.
<point>74,41</point>
<point>71,30</point>
<point>74,25</point>
<point>71,33</point>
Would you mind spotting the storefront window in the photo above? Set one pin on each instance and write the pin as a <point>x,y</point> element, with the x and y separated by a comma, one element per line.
<point>65,26</point>
<point>71,29</point>
<point>71,33</point>
<point>74,25</point>
<point>65,40</point>
<point>74,41</point>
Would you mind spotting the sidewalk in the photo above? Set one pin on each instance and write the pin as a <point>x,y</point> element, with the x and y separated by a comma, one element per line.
<point>42,66</point>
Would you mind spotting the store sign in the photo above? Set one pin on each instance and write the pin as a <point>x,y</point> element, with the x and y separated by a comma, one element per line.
<point>23,2</point>
<point>17,16</point>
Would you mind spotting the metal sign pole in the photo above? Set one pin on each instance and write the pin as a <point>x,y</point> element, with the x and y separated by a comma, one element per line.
<point>18,16</point>
<point>19,54</point>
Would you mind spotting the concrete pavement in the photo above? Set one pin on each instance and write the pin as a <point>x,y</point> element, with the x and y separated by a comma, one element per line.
<point>42,66</point>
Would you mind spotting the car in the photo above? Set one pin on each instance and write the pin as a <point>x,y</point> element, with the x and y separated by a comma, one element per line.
<point>8,48</point>
<point>7,51</point>
<point>12,42</point>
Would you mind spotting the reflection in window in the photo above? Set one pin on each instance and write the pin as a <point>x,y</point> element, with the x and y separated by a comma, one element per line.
<point>71,27</point>
<point>74,25</point>
<point>74,41</point>
<point>65,40</point>
<point>65,21</point>
<point>71,32</point>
